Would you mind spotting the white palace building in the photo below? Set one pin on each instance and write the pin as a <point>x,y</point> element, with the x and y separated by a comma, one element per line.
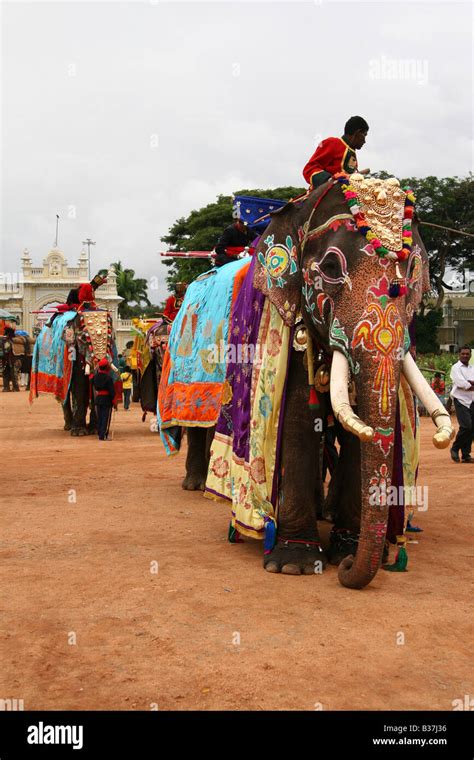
<point>40,289</point>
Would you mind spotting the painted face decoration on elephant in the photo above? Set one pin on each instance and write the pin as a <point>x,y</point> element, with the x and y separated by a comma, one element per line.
<point>278,259</point>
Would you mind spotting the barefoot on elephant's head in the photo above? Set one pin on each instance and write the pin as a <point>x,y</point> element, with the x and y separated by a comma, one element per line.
<point>295,557</point>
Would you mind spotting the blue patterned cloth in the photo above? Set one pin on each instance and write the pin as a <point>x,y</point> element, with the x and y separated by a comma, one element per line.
<point>51,368</point>
<point>249,208</point>
<point>194,366</point>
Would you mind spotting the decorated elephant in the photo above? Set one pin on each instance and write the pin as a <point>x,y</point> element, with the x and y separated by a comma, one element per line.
<point>66,353</point>
<point>15,357</point>
<point>327,305</point>
<point>146,355</point>
<point>194,367</point>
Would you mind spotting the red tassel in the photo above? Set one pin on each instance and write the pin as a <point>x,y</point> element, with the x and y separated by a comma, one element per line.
<point>313,398</point>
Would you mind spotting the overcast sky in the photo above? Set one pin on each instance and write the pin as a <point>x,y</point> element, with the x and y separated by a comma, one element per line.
<point>122,117</point>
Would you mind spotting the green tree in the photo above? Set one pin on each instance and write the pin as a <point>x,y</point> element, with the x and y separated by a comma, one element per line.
<point>132,289</point>
<point>201,230</point>
<point>427,331</point>
<point>448,202</point>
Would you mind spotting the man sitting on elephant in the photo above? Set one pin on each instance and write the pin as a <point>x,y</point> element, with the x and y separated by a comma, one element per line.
<point>337,154</point>
<point>174,302</point>
<point>85,292</point>
<point>235,238</point>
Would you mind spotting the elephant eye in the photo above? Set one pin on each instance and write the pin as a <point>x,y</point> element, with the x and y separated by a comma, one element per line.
<point>330,265</point>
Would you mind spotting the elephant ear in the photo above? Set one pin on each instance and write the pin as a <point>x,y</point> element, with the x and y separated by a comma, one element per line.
<point>277,272</point>
<point>426,282</point>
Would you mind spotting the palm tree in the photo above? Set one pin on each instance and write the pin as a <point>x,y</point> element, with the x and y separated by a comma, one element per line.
<point>132,289</point>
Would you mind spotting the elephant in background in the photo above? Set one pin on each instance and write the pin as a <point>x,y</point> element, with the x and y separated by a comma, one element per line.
<point>66,354</point>
<point>194,367</point>
<point>15,353</point>
<point>147,354</point>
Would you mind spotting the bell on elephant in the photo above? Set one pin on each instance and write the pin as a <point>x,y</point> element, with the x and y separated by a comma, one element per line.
<point>322,379</point>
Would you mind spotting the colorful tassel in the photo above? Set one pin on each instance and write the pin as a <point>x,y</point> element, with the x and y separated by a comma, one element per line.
<point>234,535</point>
<point>397,288</point>
<point>313,401</point>
<point>401,558</point>
<point>270,535</point>
<point>412,528</point>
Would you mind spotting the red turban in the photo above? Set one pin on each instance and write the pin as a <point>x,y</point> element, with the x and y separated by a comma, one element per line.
<point>104,364</point>
<point>86,293</point>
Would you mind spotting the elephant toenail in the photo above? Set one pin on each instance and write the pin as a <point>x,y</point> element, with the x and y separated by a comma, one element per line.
<point>272,567</point>
<point>291,570</point>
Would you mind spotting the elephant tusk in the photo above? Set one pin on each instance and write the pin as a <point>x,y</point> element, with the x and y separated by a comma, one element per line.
<point>338,386</point>
<point>430,401</point>
<point>87,369</point>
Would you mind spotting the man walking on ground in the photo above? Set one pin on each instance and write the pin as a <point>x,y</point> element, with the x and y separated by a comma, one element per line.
<point>127,379</point>
<point>104,397</point>
<point>11,363</point>
<point>462,376</point>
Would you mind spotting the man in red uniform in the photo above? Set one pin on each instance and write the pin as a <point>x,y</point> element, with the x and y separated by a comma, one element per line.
<point>173,303</point>
<point>104,398</point>
<point>337,154</point>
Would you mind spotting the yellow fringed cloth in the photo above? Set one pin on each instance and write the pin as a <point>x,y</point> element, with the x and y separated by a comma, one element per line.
<point>243,461</point>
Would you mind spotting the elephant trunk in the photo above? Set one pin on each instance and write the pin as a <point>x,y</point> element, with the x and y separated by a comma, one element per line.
<point>376,472</point>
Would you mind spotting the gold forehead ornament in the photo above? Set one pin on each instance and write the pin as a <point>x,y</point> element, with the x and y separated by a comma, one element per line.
<point>383,204</point>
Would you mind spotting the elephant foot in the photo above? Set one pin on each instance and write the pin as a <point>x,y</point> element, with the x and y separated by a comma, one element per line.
<point>78,431</point>
<point>295,557</point>
<point>342,543</point>
<point>193,483</point>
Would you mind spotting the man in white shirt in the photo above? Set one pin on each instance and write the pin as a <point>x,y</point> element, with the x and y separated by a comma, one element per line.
<point>462,376</point>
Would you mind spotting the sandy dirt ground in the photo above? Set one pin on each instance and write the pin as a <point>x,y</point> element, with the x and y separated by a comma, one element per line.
<point>88,624</point>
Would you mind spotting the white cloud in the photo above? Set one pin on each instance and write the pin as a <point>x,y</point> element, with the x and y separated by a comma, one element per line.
<point>236,94</point>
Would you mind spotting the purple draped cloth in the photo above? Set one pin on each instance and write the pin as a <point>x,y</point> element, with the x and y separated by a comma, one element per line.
<point>234,418</point>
